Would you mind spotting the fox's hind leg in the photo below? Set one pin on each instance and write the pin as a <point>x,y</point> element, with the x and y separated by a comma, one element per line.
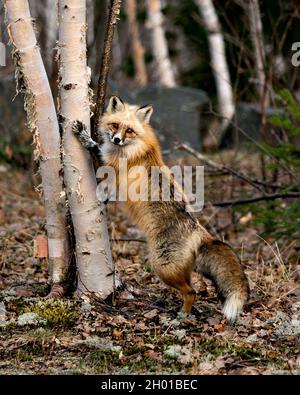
<point>179,277</point>
<point>189,295</point>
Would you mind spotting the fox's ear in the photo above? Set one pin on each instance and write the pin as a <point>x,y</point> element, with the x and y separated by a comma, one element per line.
<point>144,113</point>
<point>115,104</point>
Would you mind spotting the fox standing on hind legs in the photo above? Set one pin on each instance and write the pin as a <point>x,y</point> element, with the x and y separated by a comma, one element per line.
<point>178,244</point>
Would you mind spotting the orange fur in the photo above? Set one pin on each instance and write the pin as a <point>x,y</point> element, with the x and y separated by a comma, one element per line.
<point>178,244</point>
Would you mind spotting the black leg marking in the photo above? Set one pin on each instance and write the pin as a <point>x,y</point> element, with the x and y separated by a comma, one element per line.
<point>79,129</point>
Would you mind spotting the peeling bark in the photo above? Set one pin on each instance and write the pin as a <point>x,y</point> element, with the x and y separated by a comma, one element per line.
<point>93,254</point>
<point>42,120</point>
<point>159,44</point>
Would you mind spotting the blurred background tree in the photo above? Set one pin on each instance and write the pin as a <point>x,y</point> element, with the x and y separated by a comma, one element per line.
<point>162,52</point>
<point>183,52</point>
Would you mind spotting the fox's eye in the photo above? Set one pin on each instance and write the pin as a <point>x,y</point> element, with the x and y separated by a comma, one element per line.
<point>115,126</point>
<point>129,130</point>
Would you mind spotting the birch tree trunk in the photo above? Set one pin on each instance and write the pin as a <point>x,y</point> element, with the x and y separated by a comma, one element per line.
<point>159,44</point>
<point>256,32</point>
<point>219,64</point>
<point>42,120</point>
<point>259,52</point>
<point>93,254</point>
<point>137,48</point>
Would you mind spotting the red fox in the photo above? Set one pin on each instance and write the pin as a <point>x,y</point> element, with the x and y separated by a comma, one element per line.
<point>178,244</point>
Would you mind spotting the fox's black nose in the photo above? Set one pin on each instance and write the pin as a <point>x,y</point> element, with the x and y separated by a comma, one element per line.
<point>117,140</point>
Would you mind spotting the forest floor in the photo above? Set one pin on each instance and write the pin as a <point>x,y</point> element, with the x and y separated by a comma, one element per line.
<point>140,332</point>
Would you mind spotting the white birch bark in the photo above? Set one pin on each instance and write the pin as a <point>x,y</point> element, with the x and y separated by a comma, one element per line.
<point>159,44</point>
<point>93,254</point>
<point>42,120</point>
<point>259,50</point>
<point>137,47</point>
<point>218,63</point>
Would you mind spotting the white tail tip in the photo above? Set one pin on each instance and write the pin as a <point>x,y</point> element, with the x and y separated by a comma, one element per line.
<point>233,307</point>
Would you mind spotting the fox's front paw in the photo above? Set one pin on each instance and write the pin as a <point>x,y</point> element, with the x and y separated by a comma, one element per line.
<point>78,128</point>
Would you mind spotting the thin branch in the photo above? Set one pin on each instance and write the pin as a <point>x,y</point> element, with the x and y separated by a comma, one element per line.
<point>128,239</point>
<point>105,65</point>
<point>257,199</point>
<point>256,143</point>
<point>255,183</point>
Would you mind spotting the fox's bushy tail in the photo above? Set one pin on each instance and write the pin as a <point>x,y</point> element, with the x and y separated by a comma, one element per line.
<point>218,262</point>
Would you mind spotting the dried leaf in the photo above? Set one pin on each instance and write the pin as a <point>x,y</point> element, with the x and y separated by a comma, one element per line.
<point>116,334</point>
<point>246,218</point>
<point>151,314</point>
<point>149,345</point>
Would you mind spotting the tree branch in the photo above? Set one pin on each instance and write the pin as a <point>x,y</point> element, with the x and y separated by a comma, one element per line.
<point>256,143</point>
<point>105,65</point>
<point>257,199</point>
<point>128,239</point>
<point>255,183</point>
